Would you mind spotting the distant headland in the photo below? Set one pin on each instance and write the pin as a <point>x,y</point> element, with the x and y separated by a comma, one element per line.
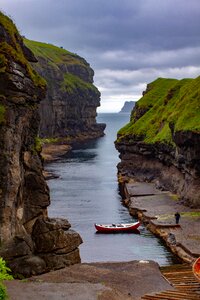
<point>127,107</point>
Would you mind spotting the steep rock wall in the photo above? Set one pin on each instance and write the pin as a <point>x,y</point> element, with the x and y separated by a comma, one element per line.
<point>127,107</point>
<point>162,141</point>
<point>69,109</point>
<point>24,194</point>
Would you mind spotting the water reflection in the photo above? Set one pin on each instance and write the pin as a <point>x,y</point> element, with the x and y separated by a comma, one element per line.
<point>80,156</point>
<point>136,231</point>
<point>87,193</point>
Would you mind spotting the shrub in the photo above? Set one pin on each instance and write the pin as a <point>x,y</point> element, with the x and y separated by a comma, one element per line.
<point>3,292</point>
<point>4,275</point>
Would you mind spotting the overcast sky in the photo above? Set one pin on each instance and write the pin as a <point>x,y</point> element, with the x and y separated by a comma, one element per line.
<point>128,43</point>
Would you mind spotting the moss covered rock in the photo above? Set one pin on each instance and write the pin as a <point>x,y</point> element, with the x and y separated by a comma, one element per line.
<point>13,48</point>
<point>24,194</point>
<point>161,142</point>
<point>168,106</point>
<point>69,109</point>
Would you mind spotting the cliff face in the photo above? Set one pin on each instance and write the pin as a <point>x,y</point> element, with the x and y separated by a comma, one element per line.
<point>69,109</point>
<point>30,241</point>
<point>162,141</point>
<point>127,107</point>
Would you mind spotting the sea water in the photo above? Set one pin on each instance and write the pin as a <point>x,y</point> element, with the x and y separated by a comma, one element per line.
<point>86,192</point>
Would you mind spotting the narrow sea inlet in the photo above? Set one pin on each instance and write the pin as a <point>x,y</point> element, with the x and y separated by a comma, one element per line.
<point>86,192</point>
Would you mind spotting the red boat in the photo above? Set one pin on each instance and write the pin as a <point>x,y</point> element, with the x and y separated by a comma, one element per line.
<point>196,268</point>
<point>117,227</point>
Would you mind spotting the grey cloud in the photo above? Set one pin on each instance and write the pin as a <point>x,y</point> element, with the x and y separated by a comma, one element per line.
<point>127,42</point>
<point>136,80</point>
<point>135,59</point>
<point>111,24</point>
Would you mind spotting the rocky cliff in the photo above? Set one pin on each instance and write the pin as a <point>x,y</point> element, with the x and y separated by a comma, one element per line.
<point>127,107</point>
<point>69,109</point>
<point>162,141</point>
<point>31,242</point>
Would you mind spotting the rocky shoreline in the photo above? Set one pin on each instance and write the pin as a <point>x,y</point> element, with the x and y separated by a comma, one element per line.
<point>156,209</point>
<point>54,150</point>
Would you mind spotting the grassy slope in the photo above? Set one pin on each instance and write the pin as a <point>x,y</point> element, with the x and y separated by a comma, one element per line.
<point>14,51</point>
<point>55,56</point>
<point>72,82</point>
<point>52,53</point>
<point>169,101</point>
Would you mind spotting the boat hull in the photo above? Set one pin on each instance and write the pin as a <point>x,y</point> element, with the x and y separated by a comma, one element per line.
<point>117,228</point>
<point>196,268</point>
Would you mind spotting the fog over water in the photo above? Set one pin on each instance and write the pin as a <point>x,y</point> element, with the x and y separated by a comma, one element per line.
<point>86,192</point>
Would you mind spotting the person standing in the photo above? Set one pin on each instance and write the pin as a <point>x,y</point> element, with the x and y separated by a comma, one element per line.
<point>177,217</point>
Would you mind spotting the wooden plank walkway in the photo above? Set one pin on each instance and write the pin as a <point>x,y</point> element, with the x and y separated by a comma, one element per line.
<point>181,277</point>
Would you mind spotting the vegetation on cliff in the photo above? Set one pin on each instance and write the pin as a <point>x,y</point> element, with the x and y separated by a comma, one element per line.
<point>168,106</point>
<point>69,109</point>
<point>24,194</point>
<point>57,58</point>
<point>72,82</point>
<point>53,53</point>
<point>11,47</point>
<point>4,275</point>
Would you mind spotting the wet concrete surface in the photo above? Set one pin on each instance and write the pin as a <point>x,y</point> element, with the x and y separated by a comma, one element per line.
<point>157,210</point>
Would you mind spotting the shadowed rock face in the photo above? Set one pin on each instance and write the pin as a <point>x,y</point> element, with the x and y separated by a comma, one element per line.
<point>24,194</point>
<point>69,109</point>
<point>171,157</point>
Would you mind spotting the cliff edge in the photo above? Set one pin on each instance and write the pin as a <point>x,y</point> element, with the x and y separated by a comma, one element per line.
<point>31,242</point>
<point>69,109</point>
<point>162,141</point>
<point>127,107</point>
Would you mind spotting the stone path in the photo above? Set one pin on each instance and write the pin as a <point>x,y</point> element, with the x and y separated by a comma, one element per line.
<point>157,209</point>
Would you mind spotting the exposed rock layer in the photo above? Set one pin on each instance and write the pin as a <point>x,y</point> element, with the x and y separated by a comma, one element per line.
<point>162,141</point>
<point>24,194</point>
<point>69,108</point>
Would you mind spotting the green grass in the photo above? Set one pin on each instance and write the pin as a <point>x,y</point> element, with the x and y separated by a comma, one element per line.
<point>192,214</point>
<point>169,103</point>
<point>54,54</point>
<point>39,142</point>
<point>49,140</point>
<point>57,57</point>
<point>4,275</point>
<point>72,82</point>
<point>13,50</point>
<point>189,214</point>
<point>156,91</point>
<point>3,292</point>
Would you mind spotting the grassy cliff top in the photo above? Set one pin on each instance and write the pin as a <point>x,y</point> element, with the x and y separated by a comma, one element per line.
<point>76,76</point>
<point>53,53</point>
<point>168,103</point>
<point>11,48</point>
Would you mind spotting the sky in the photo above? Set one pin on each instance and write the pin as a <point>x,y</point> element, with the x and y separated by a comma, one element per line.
<point>128,43</point>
